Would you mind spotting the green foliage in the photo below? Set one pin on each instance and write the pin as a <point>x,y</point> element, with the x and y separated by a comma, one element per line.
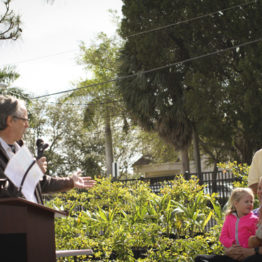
<point>118,220</point>
<point>9,22</point>
<point>157,148</point>
<point>218,94</point>
<point>73,146</point>
<point>8,75</point>
<point>70,146</point>
<point>184,249</point>
<point>240,171</point>
<point>191,212</point>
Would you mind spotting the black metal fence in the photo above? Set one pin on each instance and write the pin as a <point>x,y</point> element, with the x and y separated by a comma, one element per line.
<point>219,182</point>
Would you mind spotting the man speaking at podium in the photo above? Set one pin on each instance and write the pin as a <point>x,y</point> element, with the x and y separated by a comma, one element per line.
<point>13,124</point>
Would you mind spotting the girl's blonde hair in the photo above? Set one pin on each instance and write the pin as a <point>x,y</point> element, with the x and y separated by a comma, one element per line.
<point>236,196</point>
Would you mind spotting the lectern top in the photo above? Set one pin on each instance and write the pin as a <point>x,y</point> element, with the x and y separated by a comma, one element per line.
<point>23,202</point>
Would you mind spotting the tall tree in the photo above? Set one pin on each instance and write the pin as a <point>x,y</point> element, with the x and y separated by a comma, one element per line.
<point>224,90</point>
<point>155,98</point>
<point>197,93</point>
<point>103,100</point>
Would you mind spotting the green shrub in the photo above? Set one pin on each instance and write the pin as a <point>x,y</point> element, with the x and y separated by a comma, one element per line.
<point>184,249</point>
<point>117,220</point>
<point>239,171</point>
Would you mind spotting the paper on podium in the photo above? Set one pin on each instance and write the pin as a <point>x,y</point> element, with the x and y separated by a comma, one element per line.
<point>16,171</point>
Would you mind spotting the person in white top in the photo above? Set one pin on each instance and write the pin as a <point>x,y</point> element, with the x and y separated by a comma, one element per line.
<point>255,171</point>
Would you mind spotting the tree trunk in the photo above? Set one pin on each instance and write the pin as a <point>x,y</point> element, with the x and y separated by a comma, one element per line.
<point>197,154</point>
<point>108,145</point>
<point>184,160</point>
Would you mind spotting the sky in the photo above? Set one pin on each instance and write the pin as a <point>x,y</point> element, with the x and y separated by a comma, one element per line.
<point>45,56</point>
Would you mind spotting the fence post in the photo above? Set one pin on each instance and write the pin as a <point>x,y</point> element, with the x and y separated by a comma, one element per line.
<point>115,170</point>
<point>214,180</point>
<point>187,175</point>
<point>200,177</point>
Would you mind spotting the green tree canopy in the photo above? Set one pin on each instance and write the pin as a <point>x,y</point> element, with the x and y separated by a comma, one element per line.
<point>103,102</point>
<point>176,95</point>
<point>8,75</point>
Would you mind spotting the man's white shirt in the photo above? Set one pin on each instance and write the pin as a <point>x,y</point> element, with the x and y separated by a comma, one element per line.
<point>8,149</point>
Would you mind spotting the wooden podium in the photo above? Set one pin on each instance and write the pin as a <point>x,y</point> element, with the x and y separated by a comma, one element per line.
<point>27,231</point>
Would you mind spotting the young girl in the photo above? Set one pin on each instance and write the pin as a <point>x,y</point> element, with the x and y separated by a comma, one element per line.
<point>240,222</point>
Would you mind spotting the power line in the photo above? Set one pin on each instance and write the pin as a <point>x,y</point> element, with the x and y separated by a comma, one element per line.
<point>150,30</point>
<point>111,101</point>
<point>191,19</point>
<point>155,69</point>
<point>43,57</point>
<point>74,89</point>
<point>204,55</point>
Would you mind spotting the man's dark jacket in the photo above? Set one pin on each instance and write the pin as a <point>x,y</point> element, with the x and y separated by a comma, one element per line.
<point>47,185</point>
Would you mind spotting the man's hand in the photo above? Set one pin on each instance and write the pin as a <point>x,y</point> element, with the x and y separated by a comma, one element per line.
<point>42,164</point>
<point>82,182</point>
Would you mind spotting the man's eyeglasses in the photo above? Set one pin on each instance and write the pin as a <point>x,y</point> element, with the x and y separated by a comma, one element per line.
<point>21,118</point>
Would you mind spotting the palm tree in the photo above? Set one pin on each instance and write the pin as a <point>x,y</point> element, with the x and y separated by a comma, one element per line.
<point>103,103</point>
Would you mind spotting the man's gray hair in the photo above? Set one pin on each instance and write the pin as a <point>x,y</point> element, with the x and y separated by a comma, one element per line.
<point>9,106</point>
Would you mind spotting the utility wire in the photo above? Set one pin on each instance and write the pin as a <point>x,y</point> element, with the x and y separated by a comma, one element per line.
<point>42,57</point>
<point>191,19</point>
<point>111,101</point>
<point>155,69</point>
<point>150,30</point>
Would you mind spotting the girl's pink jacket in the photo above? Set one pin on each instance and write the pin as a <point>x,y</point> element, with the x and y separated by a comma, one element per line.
<point>237,230</point>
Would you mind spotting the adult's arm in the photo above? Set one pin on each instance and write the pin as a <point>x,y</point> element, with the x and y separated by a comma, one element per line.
<point>56,184</point>
<point>254,188</point>
<point>255,171</point>
<point>53,184</point>
<point>61,184</point>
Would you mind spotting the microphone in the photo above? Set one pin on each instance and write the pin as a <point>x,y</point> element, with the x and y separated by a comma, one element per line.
<point>41,147</point>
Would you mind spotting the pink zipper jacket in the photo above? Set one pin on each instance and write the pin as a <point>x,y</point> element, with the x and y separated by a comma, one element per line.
<point>237,230</point>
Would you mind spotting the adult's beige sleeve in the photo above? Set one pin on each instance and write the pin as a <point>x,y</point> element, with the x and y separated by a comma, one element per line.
<point>255,171</point>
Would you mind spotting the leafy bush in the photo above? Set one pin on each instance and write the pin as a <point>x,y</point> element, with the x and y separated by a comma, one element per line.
<point>240,171</point>
<point>184,249</point>
<point>127,222</point>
